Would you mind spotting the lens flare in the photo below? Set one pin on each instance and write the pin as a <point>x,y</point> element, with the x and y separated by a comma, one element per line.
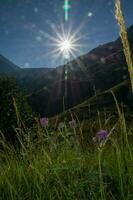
<point>65,44</point>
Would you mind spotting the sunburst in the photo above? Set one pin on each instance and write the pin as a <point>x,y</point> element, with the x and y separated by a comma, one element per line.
<point>64,44</point>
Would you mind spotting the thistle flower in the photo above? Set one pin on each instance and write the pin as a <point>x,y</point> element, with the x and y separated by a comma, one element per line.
<point>101,135</point>
<point>44,121</point>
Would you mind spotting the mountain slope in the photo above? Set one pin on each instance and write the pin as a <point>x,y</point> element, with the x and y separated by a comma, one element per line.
<point>7,67</point>
<point>31,79</point>
<point>100,69</point>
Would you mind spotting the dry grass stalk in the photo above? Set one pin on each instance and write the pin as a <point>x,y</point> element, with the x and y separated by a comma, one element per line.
<point>124,39</point>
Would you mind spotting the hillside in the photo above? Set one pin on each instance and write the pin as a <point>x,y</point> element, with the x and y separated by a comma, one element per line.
<point>96,71</point>
<point>100,69</point>
<point>7,67</point>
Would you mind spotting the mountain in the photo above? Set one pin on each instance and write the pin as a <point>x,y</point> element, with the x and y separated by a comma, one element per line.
<point>7,67</point>
<point>31,79</point>
<point>97,71</point>
<point>100,69</point>
<point>34,79</point>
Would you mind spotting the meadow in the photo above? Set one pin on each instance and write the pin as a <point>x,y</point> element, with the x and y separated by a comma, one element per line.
<point>70,159</point>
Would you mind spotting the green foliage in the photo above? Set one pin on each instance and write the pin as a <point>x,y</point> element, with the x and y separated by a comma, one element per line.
<point>10,92</point>
<point>52,165</point>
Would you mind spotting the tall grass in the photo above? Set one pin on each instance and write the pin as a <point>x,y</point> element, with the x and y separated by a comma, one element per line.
<point>51,164</point>
<point>124,39</point>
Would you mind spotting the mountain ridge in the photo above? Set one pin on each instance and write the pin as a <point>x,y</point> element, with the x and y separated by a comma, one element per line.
<point>101,68</point>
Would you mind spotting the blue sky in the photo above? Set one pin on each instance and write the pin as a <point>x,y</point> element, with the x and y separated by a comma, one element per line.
<point>27,26</point>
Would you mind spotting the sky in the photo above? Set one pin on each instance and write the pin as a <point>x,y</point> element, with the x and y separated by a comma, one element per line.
<point>29,28</point>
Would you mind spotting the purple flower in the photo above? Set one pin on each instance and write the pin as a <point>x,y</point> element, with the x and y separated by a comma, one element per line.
<point>101,135</point>
<point>44,121</point>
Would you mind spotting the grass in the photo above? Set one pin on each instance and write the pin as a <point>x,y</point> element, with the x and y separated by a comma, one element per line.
<point>63,165</point>
<point>124,39</point>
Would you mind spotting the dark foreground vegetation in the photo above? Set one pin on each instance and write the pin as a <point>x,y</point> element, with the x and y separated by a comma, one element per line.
<point>64,158</point>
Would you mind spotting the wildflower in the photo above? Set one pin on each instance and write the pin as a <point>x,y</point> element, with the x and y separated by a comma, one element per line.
<point>61,125</point>
<point>73,124</point>
<point>44,121</point>
<point>101,135</point>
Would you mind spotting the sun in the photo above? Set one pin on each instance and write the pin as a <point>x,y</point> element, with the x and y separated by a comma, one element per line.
<point>65,45</point>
